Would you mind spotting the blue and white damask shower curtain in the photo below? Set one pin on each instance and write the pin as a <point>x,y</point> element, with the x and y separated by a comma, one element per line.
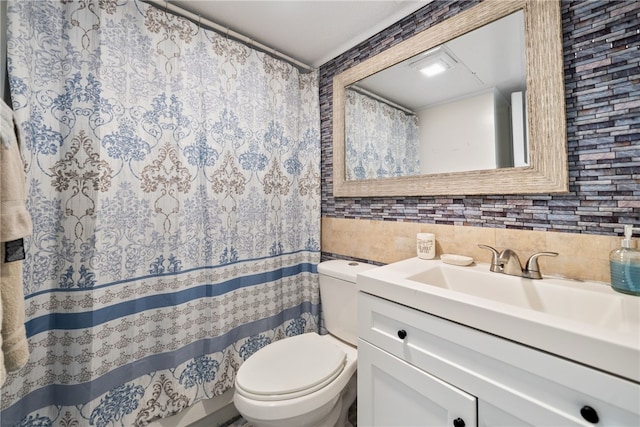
<point>381,141</point>
<point>174,188</point>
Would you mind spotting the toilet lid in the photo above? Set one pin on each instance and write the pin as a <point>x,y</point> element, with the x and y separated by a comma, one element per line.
<point>289,368</point>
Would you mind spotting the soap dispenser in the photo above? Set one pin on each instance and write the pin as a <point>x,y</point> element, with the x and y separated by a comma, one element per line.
<point>625,265</point>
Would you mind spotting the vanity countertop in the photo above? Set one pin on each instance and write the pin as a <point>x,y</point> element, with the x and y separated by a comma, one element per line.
<point>586,322</point>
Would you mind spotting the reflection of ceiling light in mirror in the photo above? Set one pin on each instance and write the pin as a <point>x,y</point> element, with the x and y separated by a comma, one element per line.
<point>434,62</point>
<point>434,69</point>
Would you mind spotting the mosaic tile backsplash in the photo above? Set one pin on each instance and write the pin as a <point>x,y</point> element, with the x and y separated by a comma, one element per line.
<point>602,85</point>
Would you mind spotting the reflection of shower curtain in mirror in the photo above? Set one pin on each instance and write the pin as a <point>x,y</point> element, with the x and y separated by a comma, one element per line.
<point>380,141</point>
<point>174,181</point>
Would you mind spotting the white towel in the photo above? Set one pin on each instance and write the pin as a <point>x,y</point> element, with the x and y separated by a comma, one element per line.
<point>15,223</point>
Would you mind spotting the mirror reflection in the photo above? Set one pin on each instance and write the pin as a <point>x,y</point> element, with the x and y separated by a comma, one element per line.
<point>458,107</point>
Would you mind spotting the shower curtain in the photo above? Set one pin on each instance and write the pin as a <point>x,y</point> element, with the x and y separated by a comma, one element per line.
<point>381,141</point>
<point>174,180</point>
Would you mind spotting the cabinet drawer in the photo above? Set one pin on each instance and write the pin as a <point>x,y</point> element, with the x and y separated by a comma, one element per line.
<point>499,372</point>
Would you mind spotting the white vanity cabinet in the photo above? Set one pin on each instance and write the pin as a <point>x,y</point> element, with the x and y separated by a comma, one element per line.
<point>416,369</point>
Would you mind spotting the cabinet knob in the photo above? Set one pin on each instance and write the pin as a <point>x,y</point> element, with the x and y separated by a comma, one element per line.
<point>589,414</point>
<point>458,422</point>
<point>402,334</point>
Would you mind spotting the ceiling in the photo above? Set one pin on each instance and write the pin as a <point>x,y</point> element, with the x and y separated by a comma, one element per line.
<point>309,31</point>
<point>316,31</point>
<point>489,58</point>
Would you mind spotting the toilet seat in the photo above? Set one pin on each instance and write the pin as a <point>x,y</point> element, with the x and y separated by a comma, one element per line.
<point>296,366</point>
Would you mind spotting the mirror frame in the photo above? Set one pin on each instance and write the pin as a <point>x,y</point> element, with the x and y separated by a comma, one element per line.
<point>548,168</point>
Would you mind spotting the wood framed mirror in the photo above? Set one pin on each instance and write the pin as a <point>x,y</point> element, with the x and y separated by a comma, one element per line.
<point>546,170</point>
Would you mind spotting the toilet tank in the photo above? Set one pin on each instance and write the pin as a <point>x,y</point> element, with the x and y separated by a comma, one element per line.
<point>338,295</point>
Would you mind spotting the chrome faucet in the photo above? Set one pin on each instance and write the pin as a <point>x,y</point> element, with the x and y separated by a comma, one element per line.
<point>507,262</point>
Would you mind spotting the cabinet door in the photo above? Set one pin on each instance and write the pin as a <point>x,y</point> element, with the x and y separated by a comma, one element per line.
<point>394,393</point>
<point>515,385</point>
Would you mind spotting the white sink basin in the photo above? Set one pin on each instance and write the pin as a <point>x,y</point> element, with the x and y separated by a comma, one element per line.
<point>589,303</point>
<point>584,321</point>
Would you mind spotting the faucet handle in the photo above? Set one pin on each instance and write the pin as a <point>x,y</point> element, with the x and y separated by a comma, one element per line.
<point>495,263</point>
<point>532,269</point>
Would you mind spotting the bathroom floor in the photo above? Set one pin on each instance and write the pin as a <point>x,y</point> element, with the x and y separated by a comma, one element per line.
<point>353,414</point>
<point>240,422</point>
<point>236,422</point>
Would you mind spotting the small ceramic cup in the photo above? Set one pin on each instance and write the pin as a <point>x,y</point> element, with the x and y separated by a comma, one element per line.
<point>426,245</point>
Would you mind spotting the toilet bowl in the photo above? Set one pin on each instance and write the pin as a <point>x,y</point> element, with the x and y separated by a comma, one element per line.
<point>307,380</point>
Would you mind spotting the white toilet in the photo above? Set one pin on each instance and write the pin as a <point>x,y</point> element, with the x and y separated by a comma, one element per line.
<point>308,380</point>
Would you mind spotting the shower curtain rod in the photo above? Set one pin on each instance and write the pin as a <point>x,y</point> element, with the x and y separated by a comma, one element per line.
<point>365,92</point>
<point>163,4</point>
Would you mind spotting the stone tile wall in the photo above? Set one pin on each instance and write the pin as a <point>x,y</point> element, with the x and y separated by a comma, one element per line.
<point>580,256</point>
<point>602,87</point>
<point>602,80</point>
